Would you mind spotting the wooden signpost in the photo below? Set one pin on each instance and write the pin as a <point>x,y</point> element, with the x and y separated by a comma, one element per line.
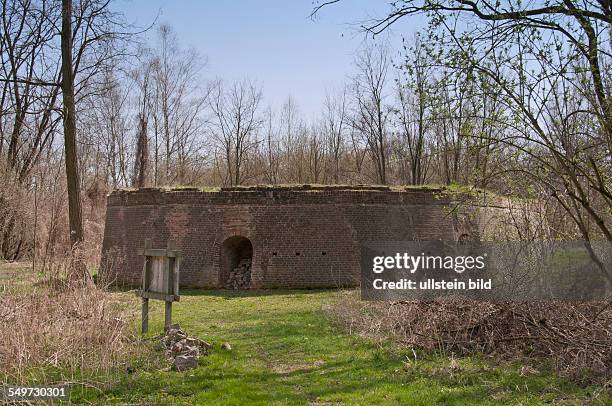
<point>160,279</point>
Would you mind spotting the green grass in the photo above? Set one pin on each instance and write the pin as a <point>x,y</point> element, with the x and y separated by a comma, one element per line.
<point>286,352</point>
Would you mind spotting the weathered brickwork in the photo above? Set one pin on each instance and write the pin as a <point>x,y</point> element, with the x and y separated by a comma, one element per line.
<point>299,237</point>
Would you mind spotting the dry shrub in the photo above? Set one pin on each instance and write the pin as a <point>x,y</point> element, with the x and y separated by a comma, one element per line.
<point>577,337</point>
<point>16,213</point>
<point>64,324</point>
<point>34,217</point>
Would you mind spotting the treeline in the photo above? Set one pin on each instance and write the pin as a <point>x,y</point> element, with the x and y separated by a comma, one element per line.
<point>397,121</point>
<point>507,104</point>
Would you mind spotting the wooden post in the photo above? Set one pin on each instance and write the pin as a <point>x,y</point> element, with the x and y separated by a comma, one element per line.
<point>146,278</point>
<point>145,315</point>
<point>168,319</point>
<point>169,274</point>
<point>167,278</point>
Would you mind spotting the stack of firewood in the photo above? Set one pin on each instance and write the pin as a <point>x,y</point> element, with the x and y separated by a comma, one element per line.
<point>240,276</point>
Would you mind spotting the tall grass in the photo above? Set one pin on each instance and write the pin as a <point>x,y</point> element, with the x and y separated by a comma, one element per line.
<point>52,322</point>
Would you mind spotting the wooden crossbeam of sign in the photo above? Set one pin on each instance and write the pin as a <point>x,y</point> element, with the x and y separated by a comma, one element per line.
<point>159,296</point>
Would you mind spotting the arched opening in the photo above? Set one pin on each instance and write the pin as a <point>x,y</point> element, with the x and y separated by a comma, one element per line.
<point>235,263</point>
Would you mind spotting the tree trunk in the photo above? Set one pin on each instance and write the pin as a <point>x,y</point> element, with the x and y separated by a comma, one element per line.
<point>142,154</point>
<point>72,171</point>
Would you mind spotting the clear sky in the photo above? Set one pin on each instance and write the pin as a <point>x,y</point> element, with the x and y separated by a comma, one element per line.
<point>273,42</point>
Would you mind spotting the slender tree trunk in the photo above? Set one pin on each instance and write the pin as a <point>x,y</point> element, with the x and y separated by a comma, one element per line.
<point>72,170</point>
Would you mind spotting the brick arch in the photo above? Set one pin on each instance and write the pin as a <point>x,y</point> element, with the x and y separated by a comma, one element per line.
<point>232,252</point>
<point>217,259</point>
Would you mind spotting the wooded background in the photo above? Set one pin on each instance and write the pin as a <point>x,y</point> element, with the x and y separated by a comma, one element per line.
<point>510,97</point>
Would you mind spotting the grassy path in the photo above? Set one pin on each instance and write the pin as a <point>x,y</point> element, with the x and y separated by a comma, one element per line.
<point>286,352</point>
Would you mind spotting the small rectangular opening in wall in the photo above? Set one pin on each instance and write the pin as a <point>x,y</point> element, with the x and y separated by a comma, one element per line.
<point>274,253</point>
<point>323,253</point>
<point>297,254</point>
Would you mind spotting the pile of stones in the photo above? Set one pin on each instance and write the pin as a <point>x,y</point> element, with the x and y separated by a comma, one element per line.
<point>183,351</point>
<point>240,276</point>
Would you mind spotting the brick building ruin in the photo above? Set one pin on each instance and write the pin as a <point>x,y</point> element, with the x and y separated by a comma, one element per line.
<point>272,237</point>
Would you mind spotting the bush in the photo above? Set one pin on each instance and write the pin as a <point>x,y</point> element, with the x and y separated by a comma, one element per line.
<point>577,337</point>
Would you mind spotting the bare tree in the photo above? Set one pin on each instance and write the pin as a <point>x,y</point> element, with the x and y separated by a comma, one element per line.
<point>142,78</point>
<point>316,154</point>
<point>335,123</point>
<point>291,130</point>
<point>105,145</point>
<point>414,111</point>
<point>30,77</point>
<point>72,166</point>
<point>34,57</point>
<point>271,149</point>
<point>79,269</point>
<point>453,124</point>
<point>371,115</point>
<point>177,107</point>
<point>548,64</point>
<point>235,125</point>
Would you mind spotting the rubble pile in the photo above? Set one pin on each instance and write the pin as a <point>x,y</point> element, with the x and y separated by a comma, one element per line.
<point>184,351</point>
<point>240,276</point>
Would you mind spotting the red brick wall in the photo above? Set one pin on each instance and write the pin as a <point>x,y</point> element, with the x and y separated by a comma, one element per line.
<point>301,237</point>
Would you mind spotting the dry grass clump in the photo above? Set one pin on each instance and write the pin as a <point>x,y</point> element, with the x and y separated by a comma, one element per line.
<point>54,323</point>
<point>576,337</point>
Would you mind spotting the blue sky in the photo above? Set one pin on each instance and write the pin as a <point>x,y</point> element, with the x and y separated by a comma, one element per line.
<point>270,41</point>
